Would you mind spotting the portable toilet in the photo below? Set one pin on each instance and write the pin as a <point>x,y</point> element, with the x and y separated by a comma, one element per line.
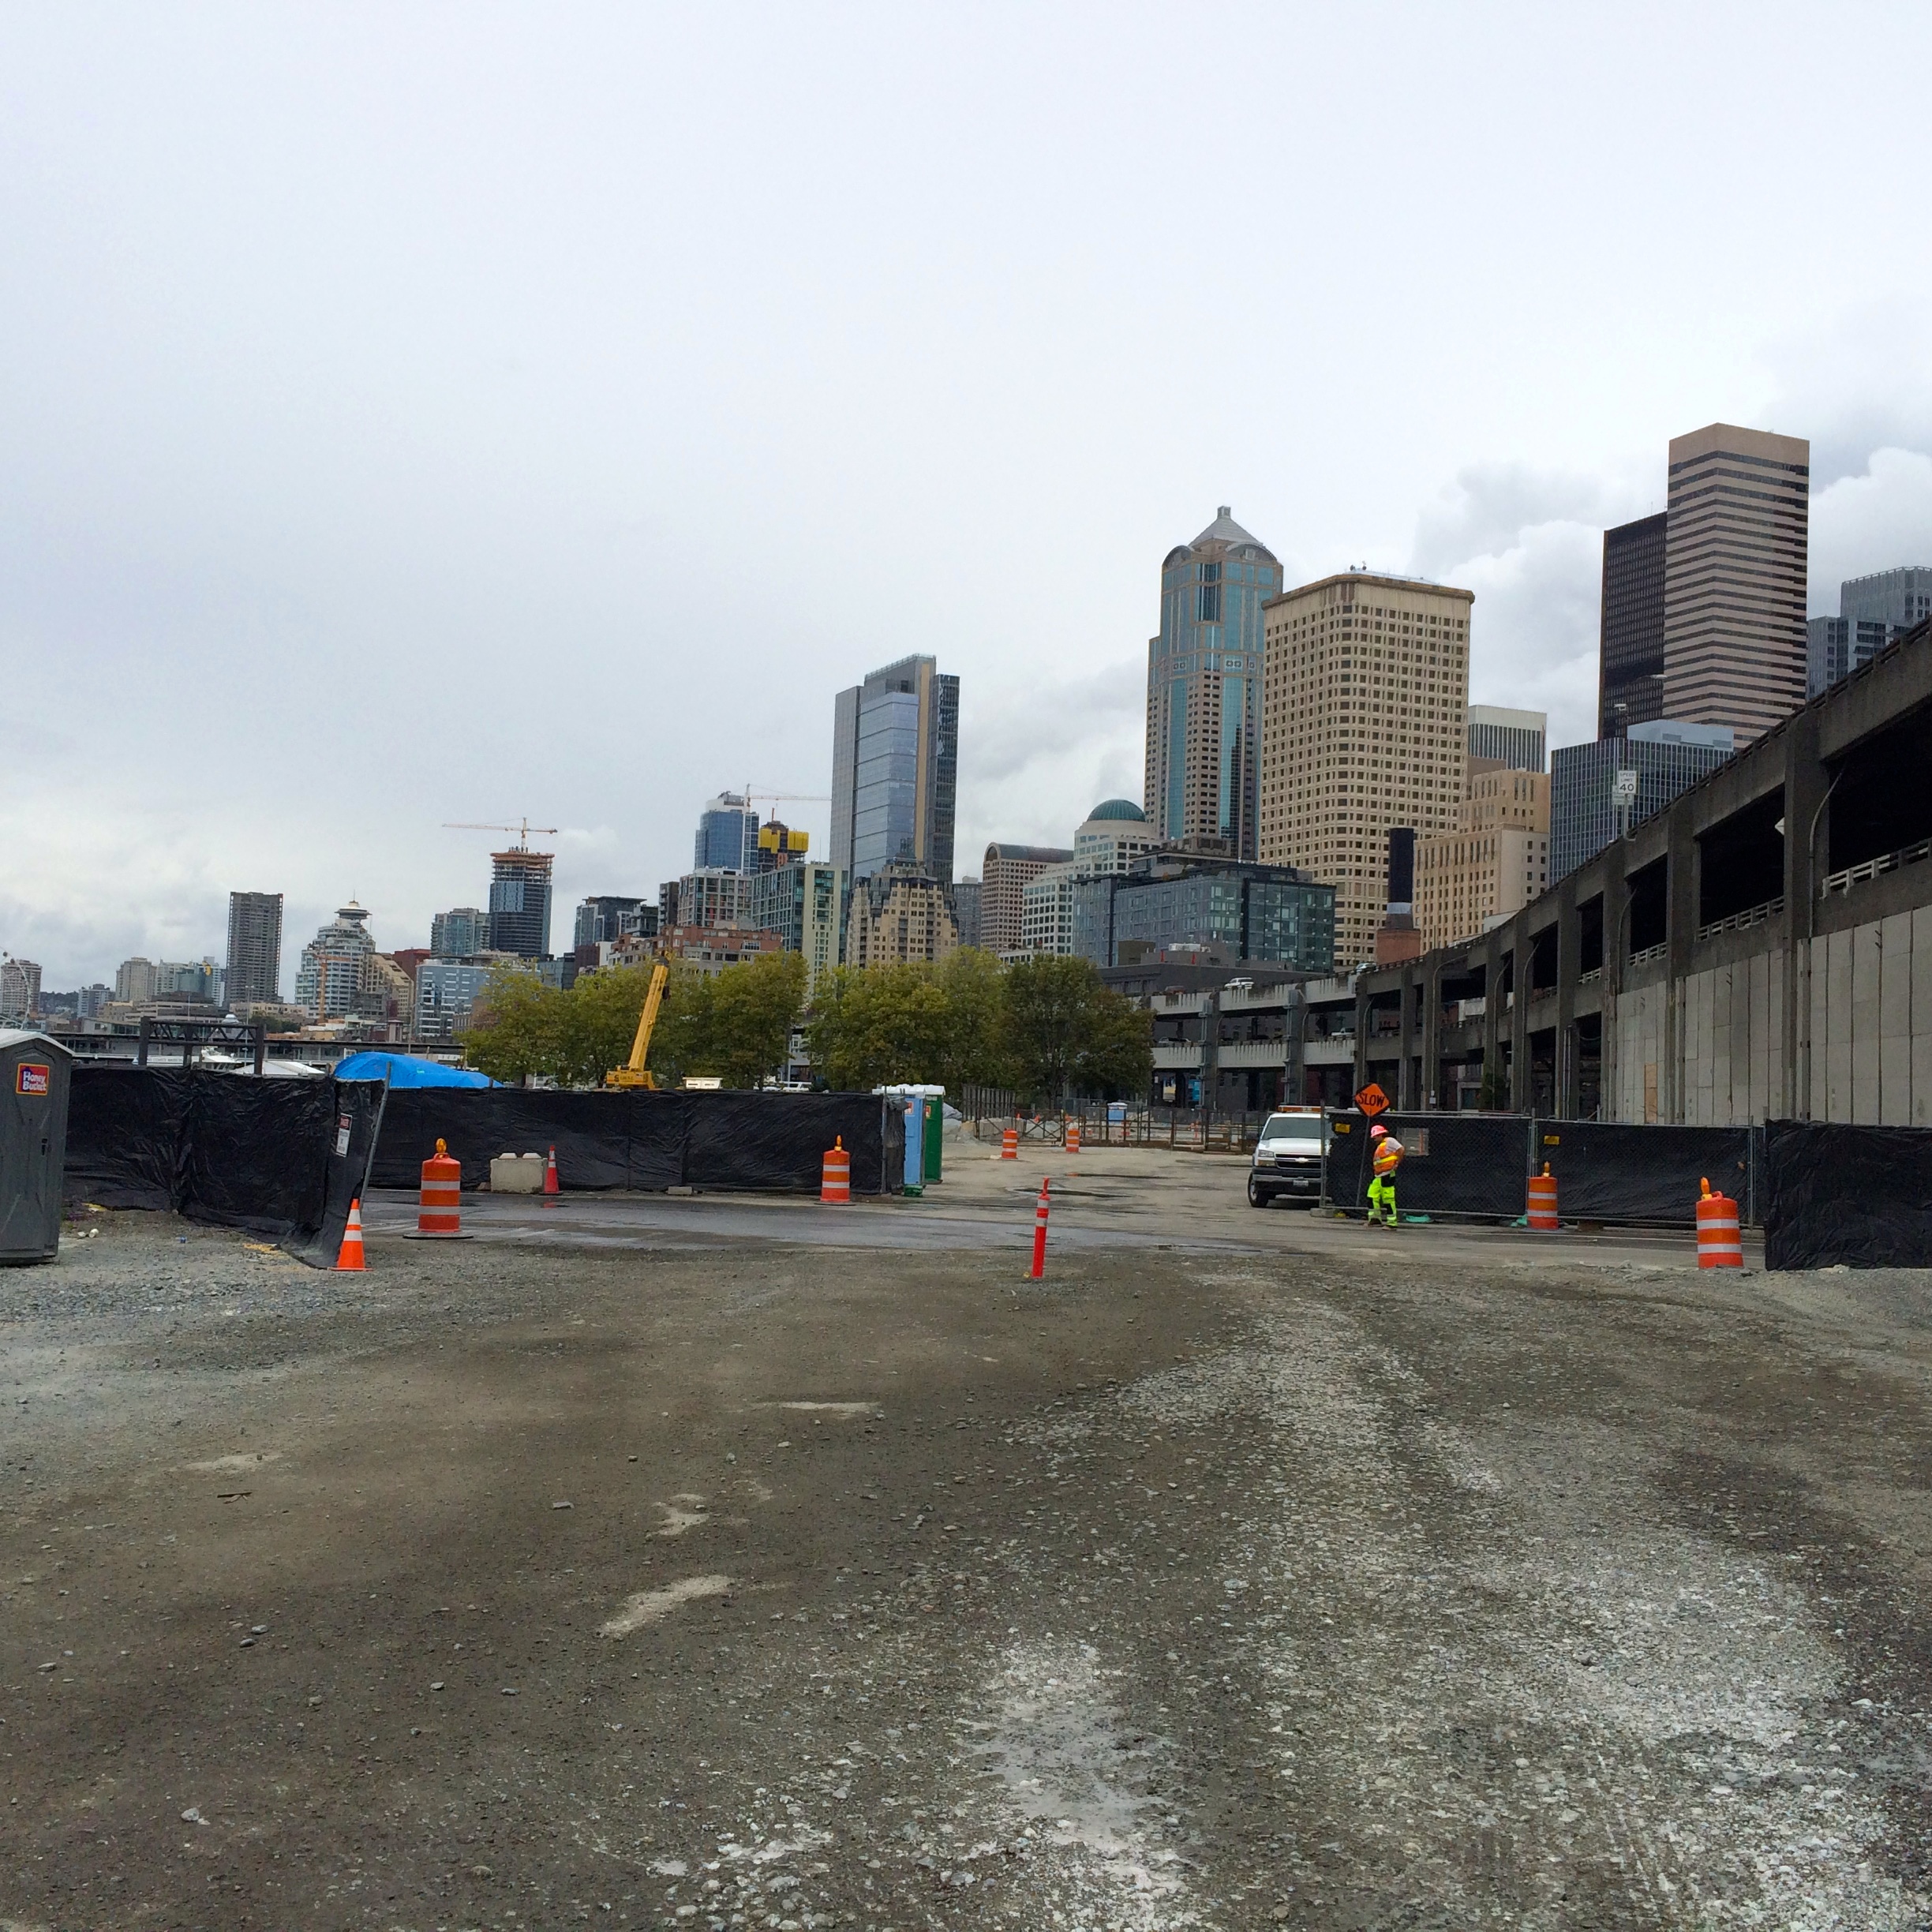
<point>915,1106</point>
<point>935,1132</point>
<point>35,1074</point>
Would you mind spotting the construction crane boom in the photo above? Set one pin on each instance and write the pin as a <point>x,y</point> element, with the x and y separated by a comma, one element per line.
<point>633,1073</point>
<point>522,831</point>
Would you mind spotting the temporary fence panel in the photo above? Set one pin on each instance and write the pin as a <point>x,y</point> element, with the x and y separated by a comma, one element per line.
<point>125,1130</point>
<point>1617,1171</point>
<point>1835,1193</point>
<point>1470,1164</point>
<point>253,1155</point>
<point>277,1157</point>
<point>758,1141</point>
<point>603,1141</point>
<point>649,1141</point>
<point>353,1136</point>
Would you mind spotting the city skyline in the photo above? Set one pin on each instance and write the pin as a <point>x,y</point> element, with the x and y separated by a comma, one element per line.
<point>977,433</point>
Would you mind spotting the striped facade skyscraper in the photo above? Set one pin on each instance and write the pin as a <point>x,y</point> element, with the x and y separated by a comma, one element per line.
<point>1734,579</point>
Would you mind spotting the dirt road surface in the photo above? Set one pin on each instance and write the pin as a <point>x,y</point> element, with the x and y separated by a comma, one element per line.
<point>1251,1572</point>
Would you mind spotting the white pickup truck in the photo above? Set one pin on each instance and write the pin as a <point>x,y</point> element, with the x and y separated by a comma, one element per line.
<point>1288,1159</point>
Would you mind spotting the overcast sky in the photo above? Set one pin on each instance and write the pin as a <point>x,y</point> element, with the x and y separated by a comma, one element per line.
<point>411,414</point>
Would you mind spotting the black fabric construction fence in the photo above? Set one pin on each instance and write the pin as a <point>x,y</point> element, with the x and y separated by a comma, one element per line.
<point>1611,1170</point>
<point>745,1141</point>
<point>350,1152</point>
<point>279,1157</point>
<point>1453,1164</point>
<point>1836,1194</point>
<point>1478,1165</point>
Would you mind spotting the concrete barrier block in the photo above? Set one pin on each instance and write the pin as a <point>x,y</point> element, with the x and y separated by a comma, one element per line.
<point>517,1173</point>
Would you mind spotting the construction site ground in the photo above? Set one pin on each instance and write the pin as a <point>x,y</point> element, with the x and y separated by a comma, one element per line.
<point>727,1562</point>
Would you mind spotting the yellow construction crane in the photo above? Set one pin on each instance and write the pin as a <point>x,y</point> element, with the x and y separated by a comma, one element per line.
<point>633,1073</point>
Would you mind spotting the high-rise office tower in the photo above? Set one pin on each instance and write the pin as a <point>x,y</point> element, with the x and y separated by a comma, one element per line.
<point>1204,685</point>
<point>1872,611</point>
<point>727,835</point>
<point>895,770</point>
<point>519,902</point>
<point>1659,758</point>
<point>1900,598</point>
<point>1734,578</point>
<point>1367,712</point>
<point>1498,736</point>
<point>1630,657</point>
<point>254,972</point>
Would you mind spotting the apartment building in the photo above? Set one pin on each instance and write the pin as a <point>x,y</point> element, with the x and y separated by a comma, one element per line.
<point>1494,863</point>
<point>1002,891</point>
<point>1366,710</point>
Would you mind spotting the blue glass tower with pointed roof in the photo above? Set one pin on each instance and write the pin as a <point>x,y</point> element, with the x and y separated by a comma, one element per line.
<point>1204,704</point>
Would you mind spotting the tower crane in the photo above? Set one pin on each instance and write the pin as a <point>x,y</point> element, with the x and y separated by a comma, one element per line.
<point>522,830</point>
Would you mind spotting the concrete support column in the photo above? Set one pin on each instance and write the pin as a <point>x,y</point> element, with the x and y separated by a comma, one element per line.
<point>1519,1018</point>
<point>1680,937</point>
<point>1807,843</point>
<point>1569,964</point>
<point>1430,993</point>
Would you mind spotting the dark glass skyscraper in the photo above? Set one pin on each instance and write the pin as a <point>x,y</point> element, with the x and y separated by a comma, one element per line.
<point>1204,704</point>
<point>895,770</point>
<point>1631,655</point>
<point>520,903</point>
<point>254,970</point>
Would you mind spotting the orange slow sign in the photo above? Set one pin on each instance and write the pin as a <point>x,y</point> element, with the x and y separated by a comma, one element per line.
<point>1372,1100</point>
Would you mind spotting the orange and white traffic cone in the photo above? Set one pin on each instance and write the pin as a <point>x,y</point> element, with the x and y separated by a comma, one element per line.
<point>350,1256</point>
<point>550,1175</point>
<point>1038,1271</point>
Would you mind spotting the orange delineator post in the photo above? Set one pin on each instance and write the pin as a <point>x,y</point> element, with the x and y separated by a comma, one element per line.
<point>1038,1271</point>
<point>1009,1144</point>
<point>1719,1244</point>
<point>835,1179</point>
<point>349,1255</point>
<point>439,1205</point>
<point>550,1175</point>
<point>1073,1137</point>
<point>1543,1201</point>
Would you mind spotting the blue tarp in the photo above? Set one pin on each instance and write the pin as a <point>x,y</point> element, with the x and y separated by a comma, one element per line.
<point>406,1070</point>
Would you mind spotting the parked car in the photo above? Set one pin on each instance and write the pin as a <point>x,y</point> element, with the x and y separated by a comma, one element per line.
<point>1288,1159</point>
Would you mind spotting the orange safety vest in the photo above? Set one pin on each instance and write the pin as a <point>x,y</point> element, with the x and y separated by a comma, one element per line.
<point>1388,1153</point>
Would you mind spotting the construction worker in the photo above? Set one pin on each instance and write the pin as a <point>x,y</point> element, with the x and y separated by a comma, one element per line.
<point>1385,1156</point>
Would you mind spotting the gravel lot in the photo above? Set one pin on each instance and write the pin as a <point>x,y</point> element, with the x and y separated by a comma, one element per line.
<point>743,1583</point>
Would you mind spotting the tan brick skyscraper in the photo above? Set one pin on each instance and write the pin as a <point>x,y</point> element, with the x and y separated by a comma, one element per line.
<point>1366,684</point>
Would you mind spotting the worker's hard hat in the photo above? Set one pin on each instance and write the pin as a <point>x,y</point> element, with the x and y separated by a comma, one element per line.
<point>1377,1128</point>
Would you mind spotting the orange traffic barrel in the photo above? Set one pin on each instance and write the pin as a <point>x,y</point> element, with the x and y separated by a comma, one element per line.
<point>1720,1244</point>
<point>835,1182</point>
<point>1543,1201</point>
<point>1009,1144</point>
<point>1072,1137</point>
<point>439,1209</point>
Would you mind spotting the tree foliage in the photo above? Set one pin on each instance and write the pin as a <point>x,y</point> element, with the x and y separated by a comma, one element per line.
<point>1047,1026</point>
<point>1066,1032</point>
<point>734,1025</point>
